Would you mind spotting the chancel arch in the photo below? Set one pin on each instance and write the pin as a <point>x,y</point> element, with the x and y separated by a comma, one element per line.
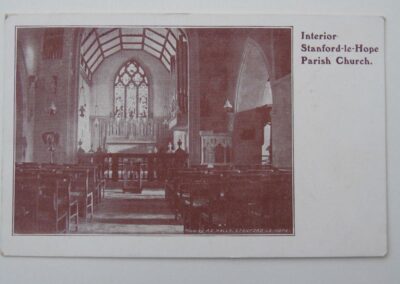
<point>137,80</point>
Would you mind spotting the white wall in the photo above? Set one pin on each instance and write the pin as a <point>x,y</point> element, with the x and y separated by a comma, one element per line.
<point>253,89</point>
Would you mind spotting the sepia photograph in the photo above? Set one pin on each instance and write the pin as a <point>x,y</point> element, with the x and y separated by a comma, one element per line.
<point>153,130</point>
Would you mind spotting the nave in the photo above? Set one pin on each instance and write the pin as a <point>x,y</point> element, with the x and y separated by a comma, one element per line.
<point>91,199</point>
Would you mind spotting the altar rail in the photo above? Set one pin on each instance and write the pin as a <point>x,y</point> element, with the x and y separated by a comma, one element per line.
<point>130,166</point>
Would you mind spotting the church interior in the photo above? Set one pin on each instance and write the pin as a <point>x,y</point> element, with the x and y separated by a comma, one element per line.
<point>153,130</point>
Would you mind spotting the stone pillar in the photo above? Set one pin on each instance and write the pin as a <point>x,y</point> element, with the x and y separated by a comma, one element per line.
<point>194,98</point>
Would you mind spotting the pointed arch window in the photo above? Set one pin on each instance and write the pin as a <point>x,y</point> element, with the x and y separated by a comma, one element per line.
<point>131,92</point>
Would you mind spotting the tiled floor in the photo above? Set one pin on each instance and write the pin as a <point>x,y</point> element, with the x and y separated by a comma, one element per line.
<point>132,213</point>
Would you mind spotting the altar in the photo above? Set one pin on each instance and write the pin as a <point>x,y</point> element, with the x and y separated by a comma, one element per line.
<point>121,145</point>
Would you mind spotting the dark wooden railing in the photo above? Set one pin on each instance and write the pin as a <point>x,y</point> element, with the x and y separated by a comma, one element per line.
<point>127,166</point>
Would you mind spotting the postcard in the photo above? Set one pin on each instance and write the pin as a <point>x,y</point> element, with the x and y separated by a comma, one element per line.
<point>194,136</point>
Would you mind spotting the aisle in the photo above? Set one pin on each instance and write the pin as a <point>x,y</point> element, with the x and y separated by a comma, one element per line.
<point>132,213</point>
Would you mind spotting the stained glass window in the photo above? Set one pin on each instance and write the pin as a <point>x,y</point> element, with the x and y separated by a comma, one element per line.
<point>131,92</point>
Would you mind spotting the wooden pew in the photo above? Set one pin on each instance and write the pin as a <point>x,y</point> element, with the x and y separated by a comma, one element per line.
<point>282,215</point>
<point>55,203</point>
<point>192,199</point>
<point>96,181</point>
<point>174,187</point>
<point>245,201</point>
<point>48,183</point>
<point>231,204</point>
<point>26,202</point>
<point>80,190</point>
<point>230,199</point>
<point>28,165</point>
